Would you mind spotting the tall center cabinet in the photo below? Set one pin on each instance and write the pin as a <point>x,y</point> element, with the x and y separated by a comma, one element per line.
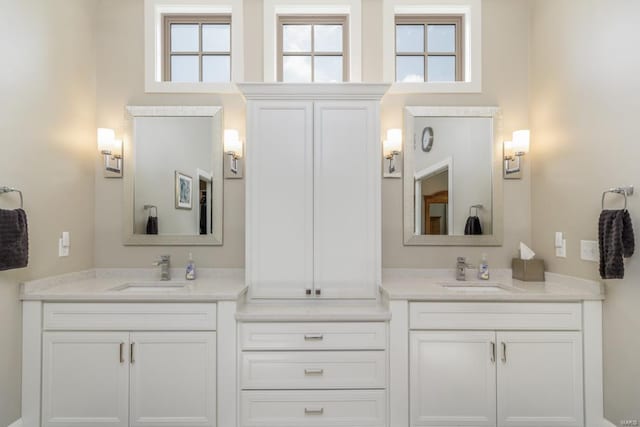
<point>313,172</point>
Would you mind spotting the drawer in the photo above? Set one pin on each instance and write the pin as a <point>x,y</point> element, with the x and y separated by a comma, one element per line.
<point>496,316</point>
<point>129,316</point>
<point>313,369</point>
<point>362,408</point>
<point>313,336</point>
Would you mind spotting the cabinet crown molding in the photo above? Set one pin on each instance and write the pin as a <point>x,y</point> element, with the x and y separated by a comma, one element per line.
<point>302,91</point>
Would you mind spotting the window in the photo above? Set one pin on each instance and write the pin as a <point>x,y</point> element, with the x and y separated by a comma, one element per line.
<point>313,48</point>
<point>429,48</point>
<point>197,48</point>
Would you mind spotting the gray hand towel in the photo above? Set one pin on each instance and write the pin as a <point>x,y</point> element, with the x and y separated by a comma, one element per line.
<point>14,239</point>
<point>616,240</point>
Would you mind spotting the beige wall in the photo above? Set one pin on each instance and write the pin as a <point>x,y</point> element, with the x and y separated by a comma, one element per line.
<point>585,97</point>
<point>120,82</point>
<point>47,122</point>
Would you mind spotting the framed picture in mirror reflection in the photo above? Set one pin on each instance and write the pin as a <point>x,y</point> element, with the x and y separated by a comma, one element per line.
<point>184,191</point>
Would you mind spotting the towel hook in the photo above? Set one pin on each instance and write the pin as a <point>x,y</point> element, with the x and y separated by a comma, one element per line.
<point>476,207</point>
<point>4,190</point>
<point>151,207</point>
<point>623,191</point>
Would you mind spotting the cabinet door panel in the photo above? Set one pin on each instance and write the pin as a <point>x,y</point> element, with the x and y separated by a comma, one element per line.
<point>452,379</point>
<point>346,199</point>
<point>280,203</point>
<point>173,380</point>
<point>540,379</point>
<point>85,381</point>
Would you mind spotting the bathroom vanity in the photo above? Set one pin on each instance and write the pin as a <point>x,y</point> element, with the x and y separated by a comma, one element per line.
<point>314,332</point>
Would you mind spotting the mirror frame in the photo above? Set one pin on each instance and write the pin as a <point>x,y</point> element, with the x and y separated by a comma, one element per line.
<point>411,239</point>
<point>131,239</point>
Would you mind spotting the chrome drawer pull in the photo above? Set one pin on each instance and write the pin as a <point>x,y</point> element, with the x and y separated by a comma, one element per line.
<point>504,352</point>
<point>314,371</point>
<point>310,337</point>
<point>308,411</point>
<point>121,352</point>
<point>493,352</point>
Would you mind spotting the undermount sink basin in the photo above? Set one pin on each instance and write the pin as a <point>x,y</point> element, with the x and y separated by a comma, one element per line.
<point>150,287</point>
<point>488,287</point>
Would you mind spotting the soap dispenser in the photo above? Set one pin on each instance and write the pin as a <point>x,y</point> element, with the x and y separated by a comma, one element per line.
<point>191,269</point>
<point>483,268</point>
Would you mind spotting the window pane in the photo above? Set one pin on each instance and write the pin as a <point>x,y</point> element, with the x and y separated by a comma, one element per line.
<point>441,38</point>
<point>296,69</point>
<point>327,69</point>
<point>216,68</point>
<point>184,38</point>
<point>409,38</point>
<point>410,68</point>
<point>327,38</point>
<point>185,69</point>
<point>296,38</point>
<point>441,68</point>
<point>216,38</point>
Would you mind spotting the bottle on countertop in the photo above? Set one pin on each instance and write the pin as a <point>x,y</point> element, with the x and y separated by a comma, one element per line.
<point>191,269</point>
<point>483,268</point>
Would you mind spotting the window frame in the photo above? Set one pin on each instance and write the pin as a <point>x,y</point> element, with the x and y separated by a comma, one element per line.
<point>313,20</point>
<point>426,20</point>
<point>193,19</point>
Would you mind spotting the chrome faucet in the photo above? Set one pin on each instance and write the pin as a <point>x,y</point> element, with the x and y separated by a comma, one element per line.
<point>165,264</point>
<point>461,268</point>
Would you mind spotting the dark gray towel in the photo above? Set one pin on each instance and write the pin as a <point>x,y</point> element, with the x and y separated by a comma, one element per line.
<point>616,240</point>
<point>14,239</point>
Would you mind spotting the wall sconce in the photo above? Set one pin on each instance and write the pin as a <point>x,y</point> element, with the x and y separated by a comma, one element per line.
<point>232,148</point>
<point>111,150</point>
<point>513,151</point>
<point>392,148</point>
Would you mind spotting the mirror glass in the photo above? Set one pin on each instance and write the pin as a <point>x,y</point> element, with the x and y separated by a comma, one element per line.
<point>175,176</point>
<point>450,195</point>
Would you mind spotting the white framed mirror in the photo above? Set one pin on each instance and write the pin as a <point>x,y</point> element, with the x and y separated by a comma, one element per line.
<point>452,181</point>
<point>173,176</point>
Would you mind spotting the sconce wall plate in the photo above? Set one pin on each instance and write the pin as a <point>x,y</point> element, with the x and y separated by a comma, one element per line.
<point>512,168</point>
<point>112,165</point>
<point>233,166</point>
<point>392,164</point>
<point>111,150</point>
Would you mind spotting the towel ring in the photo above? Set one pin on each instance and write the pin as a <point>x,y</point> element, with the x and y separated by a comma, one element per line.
<point>4,190</point>
<point>623,191</point>
<point>476,207</point>
<point>151,207</point>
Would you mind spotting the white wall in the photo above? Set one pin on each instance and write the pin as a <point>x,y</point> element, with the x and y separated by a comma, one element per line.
<point>585,90</point>
<point>47,147</point>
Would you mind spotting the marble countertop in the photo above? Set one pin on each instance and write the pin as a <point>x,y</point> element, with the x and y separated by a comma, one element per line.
<point>102,285</point>
<point>426,285</point>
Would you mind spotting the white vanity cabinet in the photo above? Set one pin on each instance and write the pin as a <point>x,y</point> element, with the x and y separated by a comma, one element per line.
<point>496,364</point>
<point>313,191</point>
<point>129,364</point>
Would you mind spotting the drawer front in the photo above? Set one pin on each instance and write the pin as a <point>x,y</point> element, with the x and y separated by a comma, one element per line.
<point>129,316</point>
<point>313,369</point>
<point>361,408</point>
<point>313,336</point>
<point>492,316</point>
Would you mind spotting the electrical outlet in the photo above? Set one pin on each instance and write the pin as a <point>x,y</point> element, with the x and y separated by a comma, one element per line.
<point>589,250</point>
<point>561,252</point>
<point>64,243</point>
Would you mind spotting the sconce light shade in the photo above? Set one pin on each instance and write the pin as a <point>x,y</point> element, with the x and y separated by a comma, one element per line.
<point>233,148</point>
<point>520,142</point>
<point>106,138</point>
<point>514,150</point>
<point>111,150</point>
<point>391,148</point>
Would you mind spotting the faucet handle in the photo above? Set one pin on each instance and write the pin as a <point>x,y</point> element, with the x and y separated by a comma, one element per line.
<point>462,260</point>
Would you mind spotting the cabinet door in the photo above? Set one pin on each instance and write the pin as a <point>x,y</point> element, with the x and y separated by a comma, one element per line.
<point>453,379</point>
<point>173,380</point>
<point>540,379</point>
<point>279,205</point>
<point>347,199</point>
<point>85,379</point>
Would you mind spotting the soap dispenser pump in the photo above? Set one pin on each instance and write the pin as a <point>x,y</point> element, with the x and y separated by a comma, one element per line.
<point>191,269</point>
<point>483,268</point>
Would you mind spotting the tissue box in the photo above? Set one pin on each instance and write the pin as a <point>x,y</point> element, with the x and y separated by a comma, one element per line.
<point>531,270</point>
